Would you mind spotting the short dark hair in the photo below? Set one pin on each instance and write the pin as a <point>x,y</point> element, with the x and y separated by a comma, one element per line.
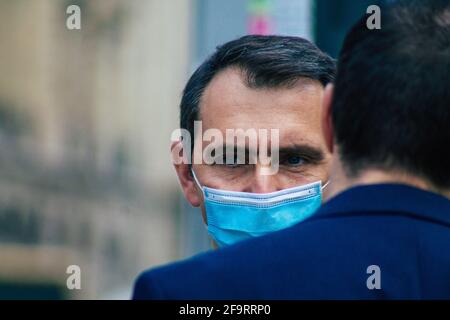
<point>266,61</point>
<point>391,105</point>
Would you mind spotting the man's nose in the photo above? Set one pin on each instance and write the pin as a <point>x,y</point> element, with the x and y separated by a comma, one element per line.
<point>261,183</point>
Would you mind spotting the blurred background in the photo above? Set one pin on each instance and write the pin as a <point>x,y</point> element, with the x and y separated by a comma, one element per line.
<point>85,123</point>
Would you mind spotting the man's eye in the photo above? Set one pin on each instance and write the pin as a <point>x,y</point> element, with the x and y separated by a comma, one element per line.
<point>295,161</point>
<point>232,165</point>
<point>235,163</point>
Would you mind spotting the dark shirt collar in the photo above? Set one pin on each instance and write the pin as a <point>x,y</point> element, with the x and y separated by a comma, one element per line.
<point>389,199</point>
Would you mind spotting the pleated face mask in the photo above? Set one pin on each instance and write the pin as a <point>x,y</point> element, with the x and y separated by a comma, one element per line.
<point>234,216</point>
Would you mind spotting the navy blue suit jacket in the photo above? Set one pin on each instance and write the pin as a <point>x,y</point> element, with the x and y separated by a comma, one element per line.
<point>402,230</point>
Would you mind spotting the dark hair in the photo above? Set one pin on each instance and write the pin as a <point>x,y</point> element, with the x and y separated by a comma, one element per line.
<point>266,61</point>
<point>391,106</point>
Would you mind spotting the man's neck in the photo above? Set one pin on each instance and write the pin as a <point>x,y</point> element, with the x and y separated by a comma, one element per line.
<point>339,181</point>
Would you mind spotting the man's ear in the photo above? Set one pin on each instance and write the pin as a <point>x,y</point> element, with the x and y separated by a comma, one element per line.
<point>190,189</point>
<point>327,123</point>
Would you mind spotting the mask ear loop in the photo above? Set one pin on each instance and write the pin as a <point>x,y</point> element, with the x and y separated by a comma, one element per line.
<point>196,180</point>
<point>203,191</point>
<point>326,184</point>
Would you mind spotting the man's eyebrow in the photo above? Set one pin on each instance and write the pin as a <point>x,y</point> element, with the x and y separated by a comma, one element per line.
<point>312,153</point>
<point>235,149</point>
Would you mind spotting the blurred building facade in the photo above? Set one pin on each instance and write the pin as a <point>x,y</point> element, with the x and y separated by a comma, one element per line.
<point>85,122</point>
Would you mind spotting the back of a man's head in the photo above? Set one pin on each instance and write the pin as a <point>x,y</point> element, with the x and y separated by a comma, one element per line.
<point>391,106</point>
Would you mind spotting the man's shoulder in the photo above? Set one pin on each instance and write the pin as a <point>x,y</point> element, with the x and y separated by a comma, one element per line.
<point>334,247</point>
<point>185,276</point>
<point>231,267</point>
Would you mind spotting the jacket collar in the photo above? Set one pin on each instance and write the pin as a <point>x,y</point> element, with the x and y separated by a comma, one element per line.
<point>389,199</point>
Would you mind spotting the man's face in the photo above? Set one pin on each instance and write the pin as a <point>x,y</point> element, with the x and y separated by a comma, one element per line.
<point>227,103</point>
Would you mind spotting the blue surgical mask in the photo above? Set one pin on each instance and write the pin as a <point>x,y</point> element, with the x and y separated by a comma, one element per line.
<point>234,216</point>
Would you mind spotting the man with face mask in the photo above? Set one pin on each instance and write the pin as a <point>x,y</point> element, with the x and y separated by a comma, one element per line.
<point>384,233</point>
<point>249,85</point>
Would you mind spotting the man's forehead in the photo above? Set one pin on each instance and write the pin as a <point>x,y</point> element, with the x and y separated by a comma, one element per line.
<point>290,140</point>
<point>228,103</point>
<point>229,88</point>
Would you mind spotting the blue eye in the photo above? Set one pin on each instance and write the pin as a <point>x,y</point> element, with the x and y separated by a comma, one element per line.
<point>295,161</point>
